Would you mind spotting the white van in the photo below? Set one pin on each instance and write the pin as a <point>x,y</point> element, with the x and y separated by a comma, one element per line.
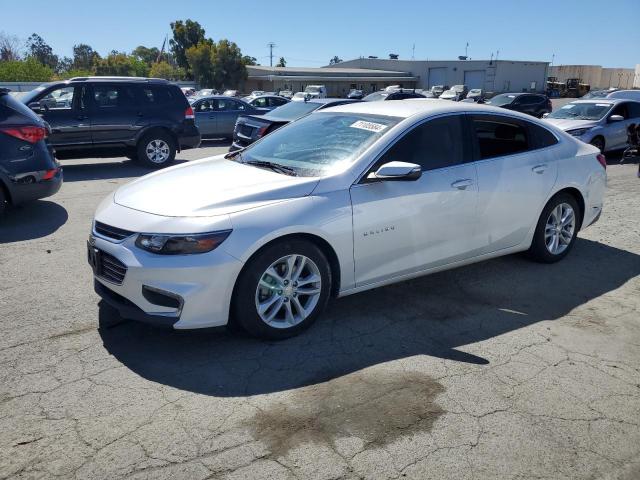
<point>316,91</point>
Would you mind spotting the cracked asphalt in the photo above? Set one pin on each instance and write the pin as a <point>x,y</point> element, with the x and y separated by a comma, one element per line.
<point>500,370</point>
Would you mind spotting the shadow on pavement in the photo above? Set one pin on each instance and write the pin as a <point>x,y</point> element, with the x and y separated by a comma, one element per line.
<point>433,315</point>
<point>32,220</point>
<point>101,170</point>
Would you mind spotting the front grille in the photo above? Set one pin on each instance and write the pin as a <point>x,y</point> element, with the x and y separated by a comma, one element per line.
<point>111,232</point>
<point>111,269</point>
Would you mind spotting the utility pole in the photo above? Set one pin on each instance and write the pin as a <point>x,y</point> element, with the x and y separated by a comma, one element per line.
<point>271,45</point>
<point>466,50</point>
<point>413,52</point>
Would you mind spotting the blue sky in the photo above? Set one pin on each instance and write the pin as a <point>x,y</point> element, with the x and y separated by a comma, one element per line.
<point>309,33</point>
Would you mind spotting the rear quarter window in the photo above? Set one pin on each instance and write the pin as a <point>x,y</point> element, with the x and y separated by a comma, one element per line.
<point>541,137</point>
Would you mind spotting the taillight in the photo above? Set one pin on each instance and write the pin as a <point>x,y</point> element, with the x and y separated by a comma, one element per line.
<point>31,134</point>
<point>188,114</point>
<point>49,174</point>
<point>603,160</point>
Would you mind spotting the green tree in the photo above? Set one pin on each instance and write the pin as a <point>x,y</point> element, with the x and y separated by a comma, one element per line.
<point>29,70</point>
<point>200,59</point>
<point>186,34</point>
<point>41,51</point>
<point>229,69</point>
<point>247,60</point>
<point>335,60</point>
<point>164,70</point>
<point>121,64</point>
<point>147,55</point>
<point>281,63</point>
<point>84,57</point>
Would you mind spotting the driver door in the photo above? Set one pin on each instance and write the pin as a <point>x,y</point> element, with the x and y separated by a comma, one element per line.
<point>65,110</point>
<point>403,227</point>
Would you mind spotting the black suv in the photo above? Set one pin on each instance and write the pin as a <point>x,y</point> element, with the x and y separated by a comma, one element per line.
<point>148,119</point>
<point>28,169</point>
<point>532,103</point>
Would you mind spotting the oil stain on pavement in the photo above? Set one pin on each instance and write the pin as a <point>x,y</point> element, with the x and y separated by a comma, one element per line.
<point>377,407</point>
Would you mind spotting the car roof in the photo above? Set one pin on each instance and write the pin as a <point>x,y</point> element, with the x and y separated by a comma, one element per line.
<point>612,101</point>
<point>419,106</point>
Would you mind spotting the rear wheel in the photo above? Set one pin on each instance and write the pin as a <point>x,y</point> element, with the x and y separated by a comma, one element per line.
<point>598,142</point>
<point>156,150</point>
<point>282,290</point>
<point>556,230</point>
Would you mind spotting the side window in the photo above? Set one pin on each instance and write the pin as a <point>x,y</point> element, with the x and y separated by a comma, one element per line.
<point>540,136</point>
<point>276,102</point>
<point>435,144</point>
<point>60,98</point>
<point>261,102</point>
<point>204,106</point>
<point>112,96</point>
<point>147,96</point>
<point>634,110</point>
<point>621,109</point>
<point>498,136</point>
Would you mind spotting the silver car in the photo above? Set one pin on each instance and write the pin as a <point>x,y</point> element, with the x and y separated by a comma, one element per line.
<point>603,122</point>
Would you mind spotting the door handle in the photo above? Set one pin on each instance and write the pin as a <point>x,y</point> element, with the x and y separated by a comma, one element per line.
<point>539,169</point>
<point>140,114</point>
<point>462,184</point>
<point>81,117</point>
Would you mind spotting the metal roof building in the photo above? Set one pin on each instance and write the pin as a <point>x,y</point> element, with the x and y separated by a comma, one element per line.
<point>338,80</point>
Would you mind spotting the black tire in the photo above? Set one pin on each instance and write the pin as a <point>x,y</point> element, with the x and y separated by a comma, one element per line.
<point>598,142</point>
<point>244,312</point>
<point>539,251</point>
<point>160,139</point>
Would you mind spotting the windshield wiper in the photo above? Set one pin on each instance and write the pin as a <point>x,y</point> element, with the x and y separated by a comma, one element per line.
<point>276,167</point>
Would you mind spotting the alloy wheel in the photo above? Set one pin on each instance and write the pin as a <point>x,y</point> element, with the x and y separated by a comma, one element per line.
<point>288,291</point>
<point>559,229</point>
<point>157,151</point>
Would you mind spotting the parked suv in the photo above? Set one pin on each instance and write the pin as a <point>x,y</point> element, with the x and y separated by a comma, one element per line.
<point>28,169</point>
<point>532,103</point>
<point>149,119</point>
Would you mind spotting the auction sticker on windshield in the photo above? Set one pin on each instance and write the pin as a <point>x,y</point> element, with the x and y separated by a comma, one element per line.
<point>370,126</point>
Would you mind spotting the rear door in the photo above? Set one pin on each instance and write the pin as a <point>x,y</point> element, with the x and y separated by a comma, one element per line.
<point>65,109</point>
<point>516,171</point>
<point>115,114</point>
<point>227,112</point>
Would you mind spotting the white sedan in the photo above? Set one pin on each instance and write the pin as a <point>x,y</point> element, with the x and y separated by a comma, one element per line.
<point>343,200</point>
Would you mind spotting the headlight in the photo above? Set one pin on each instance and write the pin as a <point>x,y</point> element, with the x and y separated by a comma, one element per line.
<point>181,244</point>
<point>578,132</point>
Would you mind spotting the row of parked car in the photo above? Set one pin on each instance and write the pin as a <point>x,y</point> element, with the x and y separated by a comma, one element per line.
<point>149,120</point>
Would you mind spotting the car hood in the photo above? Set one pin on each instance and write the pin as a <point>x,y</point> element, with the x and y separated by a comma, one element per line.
<point>570,124</point>
<point>208,187</point>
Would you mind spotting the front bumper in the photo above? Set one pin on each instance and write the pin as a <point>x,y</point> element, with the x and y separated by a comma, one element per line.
<point>203,282</point>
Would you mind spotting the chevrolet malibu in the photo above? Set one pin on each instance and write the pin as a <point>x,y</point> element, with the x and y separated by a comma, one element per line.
<point>343,200</point>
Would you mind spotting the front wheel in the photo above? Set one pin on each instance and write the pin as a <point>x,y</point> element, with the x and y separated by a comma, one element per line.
<point>156,150</point>
<point>282,290</point>
<point>556,230</point>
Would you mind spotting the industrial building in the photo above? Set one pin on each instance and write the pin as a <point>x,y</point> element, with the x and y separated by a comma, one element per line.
<point>598,77</point>
<point>339,81</point>
<point>371,74</point>
<point>490,75</point>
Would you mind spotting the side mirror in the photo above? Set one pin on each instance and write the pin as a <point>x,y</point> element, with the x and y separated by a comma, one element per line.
<point>545,115</point>
<point>616,118</point>
<point>35,106</point>
<point>402,171</point>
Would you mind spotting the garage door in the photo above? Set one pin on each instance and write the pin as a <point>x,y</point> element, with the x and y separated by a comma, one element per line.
<point>437,76</point>
<point>474,78</point>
